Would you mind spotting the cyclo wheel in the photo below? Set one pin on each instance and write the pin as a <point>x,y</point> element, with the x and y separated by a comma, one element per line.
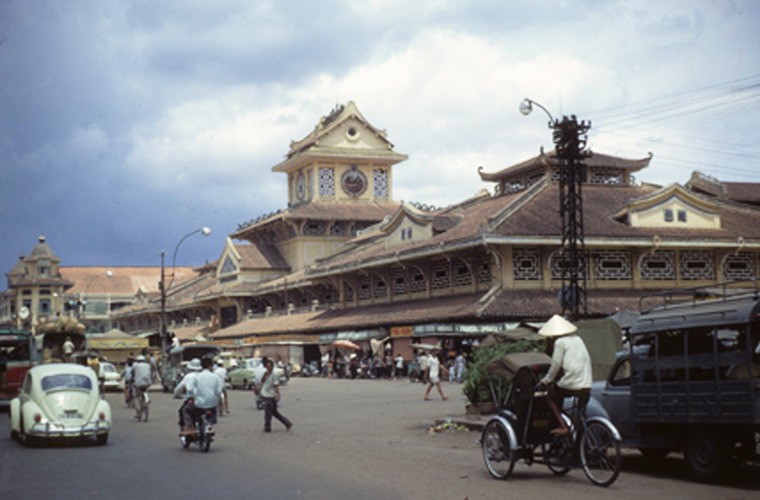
<point>497,454</point>
<point>600,454</point>
<point>553,454</point>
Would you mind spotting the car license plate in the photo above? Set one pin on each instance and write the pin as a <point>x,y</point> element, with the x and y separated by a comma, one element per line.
<point>71,414</point>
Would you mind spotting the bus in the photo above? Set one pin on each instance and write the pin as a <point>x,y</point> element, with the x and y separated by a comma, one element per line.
<point>18,353</point>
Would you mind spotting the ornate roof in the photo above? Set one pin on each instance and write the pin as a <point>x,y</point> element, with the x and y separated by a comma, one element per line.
<point>545,160</point>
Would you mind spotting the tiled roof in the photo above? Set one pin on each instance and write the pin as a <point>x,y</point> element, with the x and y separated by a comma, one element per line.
<point>543,160</point>
<point>261,256</point>
<point>601,203</point>
<point>357,211</point>
<point>541,304</point>
<point>745,192</point>
<point>456,307</point>
<point>124,281</point>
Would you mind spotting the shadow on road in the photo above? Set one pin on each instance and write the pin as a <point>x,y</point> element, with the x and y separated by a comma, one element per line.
<point>743,476</point>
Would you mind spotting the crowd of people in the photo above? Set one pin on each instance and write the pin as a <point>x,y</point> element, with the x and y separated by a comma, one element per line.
<point>362,365</point>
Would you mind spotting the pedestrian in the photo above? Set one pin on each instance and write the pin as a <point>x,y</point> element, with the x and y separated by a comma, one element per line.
<point>269,390</point>
<point>399,366</point>
<point>154,374</point>
<point>433,368</point>
<point>460,364</point>
<point>68,350</point>
<point>221,372</point>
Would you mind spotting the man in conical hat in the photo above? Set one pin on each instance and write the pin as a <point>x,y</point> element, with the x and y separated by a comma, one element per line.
<point>570,355</point>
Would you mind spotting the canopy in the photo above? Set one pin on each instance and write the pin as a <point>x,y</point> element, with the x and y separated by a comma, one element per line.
<point>509,364</point>
<point>424,347</point>
<point>345,344</point>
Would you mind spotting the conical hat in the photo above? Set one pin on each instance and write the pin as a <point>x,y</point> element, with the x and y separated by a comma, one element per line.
<point>557,326</point>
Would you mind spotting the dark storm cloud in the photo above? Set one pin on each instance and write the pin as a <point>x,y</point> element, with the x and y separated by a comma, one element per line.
<point>127,124</point>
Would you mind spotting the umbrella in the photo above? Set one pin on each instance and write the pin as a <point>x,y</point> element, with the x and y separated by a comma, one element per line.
<point>345,344</point>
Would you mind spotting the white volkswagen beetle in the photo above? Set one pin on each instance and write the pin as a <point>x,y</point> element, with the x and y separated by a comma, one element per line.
<point>60,400</point>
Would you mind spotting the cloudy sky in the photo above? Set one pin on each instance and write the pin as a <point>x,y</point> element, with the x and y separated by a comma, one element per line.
<point>124,125</point>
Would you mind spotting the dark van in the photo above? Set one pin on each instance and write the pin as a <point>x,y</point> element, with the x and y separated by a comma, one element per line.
<point>691,380</point>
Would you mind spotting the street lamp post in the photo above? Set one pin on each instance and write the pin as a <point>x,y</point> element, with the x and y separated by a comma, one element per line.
<point>163,287</point>
<point>569,138</point>
<point>82,302</point>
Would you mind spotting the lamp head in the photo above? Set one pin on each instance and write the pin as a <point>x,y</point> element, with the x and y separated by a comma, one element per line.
<point>205,231</point>
<point>526,107</point>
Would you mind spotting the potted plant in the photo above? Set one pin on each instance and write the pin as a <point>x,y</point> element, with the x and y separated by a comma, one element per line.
<point>485,391</point>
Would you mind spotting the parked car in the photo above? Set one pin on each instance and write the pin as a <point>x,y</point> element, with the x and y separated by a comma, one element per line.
<point>60,400</point>
<point>110,375</point>
<point>247,373</point>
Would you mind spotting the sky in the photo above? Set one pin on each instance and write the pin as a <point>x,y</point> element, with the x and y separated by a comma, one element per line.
<point>125,125</point>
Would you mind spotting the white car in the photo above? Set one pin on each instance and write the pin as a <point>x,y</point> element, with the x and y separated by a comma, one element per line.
<point>60,400</point>
<point>111,377</point>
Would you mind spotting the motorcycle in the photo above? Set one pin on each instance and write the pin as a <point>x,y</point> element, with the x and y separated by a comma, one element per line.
<point>310,369</point>
<point>204,432</point>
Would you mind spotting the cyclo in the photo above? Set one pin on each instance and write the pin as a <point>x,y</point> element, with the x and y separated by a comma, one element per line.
<point>521,429</point>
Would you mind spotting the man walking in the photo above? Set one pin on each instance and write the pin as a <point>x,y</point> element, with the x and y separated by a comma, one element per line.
<point>270,394</point>
<point>433,367</point>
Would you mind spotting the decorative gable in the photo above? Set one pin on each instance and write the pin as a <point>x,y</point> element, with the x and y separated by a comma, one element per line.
<point>408,225</point>
<point>228,266</point>
<point>674,207</point>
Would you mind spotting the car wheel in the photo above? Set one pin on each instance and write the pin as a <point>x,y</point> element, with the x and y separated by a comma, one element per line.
<point>707,454</point>
<point>102,439</point>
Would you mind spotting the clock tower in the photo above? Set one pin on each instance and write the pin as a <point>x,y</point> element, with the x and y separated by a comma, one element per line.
<point>344,159</point>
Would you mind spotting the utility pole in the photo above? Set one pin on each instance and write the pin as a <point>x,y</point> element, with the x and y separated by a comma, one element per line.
<point>570,139</point>
<point>570,145</point>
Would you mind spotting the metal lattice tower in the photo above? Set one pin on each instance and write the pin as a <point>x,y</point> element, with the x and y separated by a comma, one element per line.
<point>570,145</point>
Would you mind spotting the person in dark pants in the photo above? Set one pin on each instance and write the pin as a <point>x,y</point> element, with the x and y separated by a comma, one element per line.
<point>270,394</point>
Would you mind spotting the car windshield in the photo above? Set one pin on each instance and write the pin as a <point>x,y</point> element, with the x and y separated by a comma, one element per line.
<point>66,381</point>
<point>109,368</point>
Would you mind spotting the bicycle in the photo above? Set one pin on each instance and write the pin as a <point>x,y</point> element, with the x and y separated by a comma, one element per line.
<point>521,430</point>
<point>141,403</point>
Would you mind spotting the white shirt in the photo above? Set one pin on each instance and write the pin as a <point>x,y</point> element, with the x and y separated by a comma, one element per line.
<point>268,385</point>
<point>186,386</point>
<point>141,375</point>
<point>434,366</point>
<point>571,355</point>
<point>221,372</point>
<point>208,389</point>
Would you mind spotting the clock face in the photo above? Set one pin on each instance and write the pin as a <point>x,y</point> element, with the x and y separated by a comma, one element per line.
<point>300,186</point>
<point>354,182</point>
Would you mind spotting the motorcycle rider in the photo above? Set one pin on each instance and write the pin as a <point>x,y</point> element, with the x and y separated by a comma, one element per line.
<point>187,387</point>
<point>141,380</point>
<point>205,389</point>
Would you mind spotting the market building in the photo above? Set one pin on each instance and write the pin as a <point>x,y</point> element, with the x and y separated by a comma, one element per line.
<point>345,261</point>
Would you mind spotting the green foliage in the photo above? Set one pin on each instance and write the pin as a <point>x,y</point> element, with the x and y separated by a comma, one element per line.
<point>479,385</point>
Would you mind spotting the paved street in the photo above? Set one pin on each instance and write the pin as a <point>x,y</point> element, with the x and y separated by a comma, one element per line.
<point>352,439</point>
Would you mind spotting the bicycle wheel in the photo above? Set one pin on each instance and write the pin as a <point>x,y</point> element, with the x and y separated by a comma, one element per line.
<point>600,454</point>
<point>554,454</point>
<point>497,454</point>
